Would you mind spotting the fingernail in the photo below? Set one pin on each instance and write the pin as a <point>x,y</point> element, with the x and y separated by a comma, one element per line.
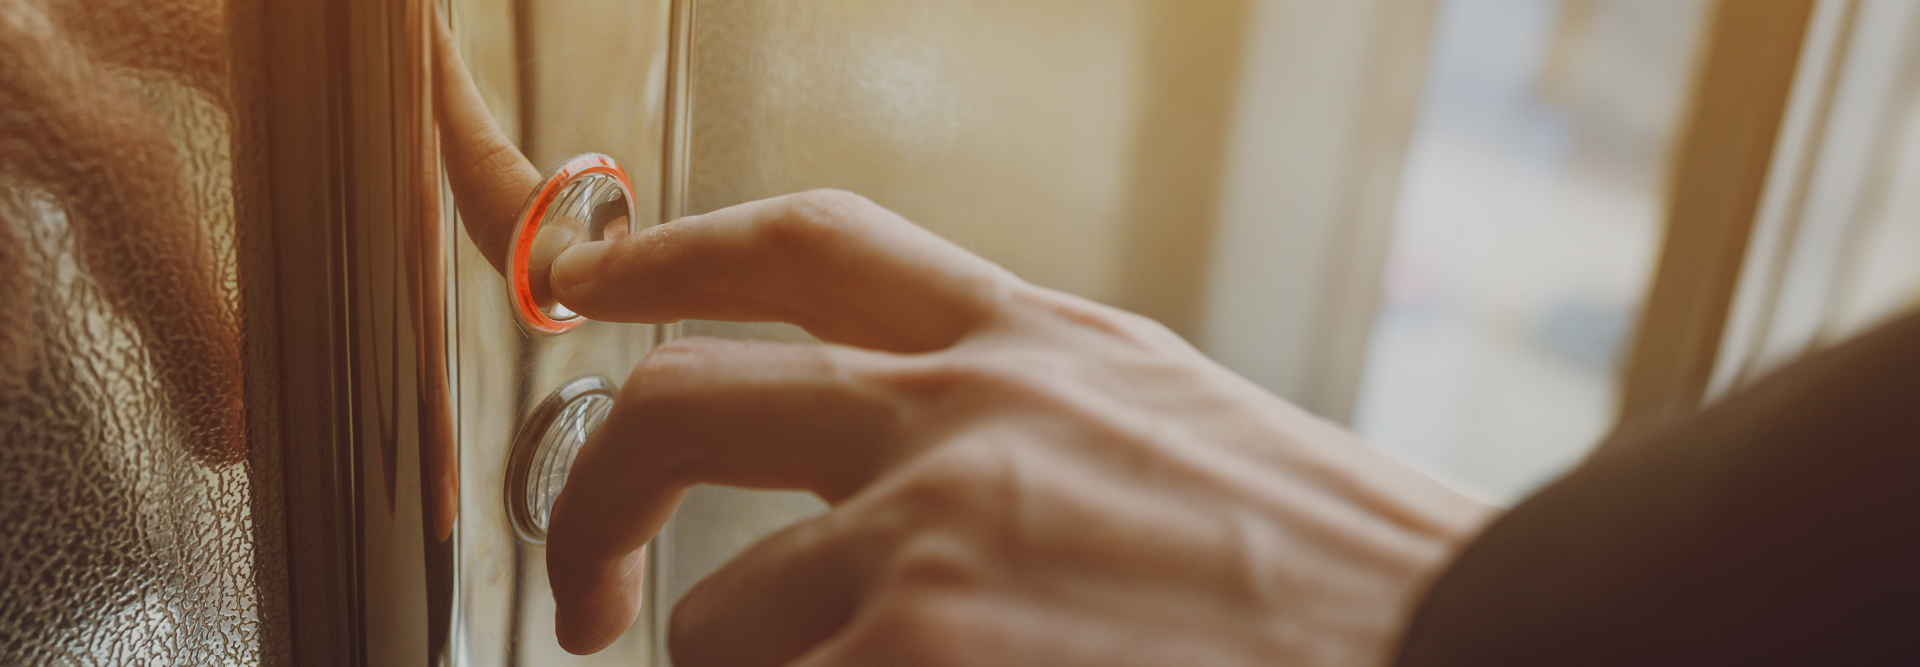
<point>576,268</point>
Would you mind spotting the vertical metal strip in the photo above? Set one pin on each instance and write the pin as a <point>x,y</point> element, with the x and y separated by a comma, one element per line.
<point>673,158</point>
<point>526,76</point>
<point>300,115</point>
<point>675,147</point>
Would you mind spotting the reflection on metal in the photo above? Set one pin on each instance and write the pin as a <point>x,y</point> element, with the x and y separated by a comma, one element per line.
<point>587,199</point>
<point>396,243</point>
<point>355,258</point>
<point>403,373</point>
<point>599,66</point>
<point>543,453</point>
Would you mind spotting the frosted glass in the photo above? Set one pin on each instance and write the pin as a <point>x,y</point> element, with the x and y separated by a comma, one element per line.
<point>128,489</point>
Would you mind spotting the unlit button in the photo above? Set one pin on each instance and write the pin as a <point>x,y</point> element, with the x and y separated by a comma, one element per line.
<point>544,450</point>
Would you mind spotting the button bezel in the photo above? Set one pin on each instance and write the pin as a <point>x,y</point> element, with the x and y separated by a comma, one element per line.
<point>531,446</point>
<point>526,309</point>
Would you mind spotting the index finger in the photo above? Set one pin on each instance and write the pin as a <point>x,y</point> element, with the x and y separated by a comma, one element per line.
<point>837,265</point>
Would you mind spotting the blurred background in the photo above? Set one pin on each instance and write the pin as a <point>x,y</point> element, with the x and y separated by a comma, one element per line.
<point>1524,233</point>
<point>1533,203</point>
<point>1434,220</point>
<point>1437,221</point>
<point>1485,233</point>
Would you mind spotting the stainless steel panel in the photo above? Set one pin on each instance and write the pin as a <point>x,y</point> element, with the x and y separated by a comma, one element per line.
<point>358,248</point>
<point>577,76</point>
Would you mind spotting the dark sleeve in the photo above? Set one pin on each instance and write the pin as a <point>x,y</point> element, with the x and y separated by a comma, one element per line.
<point>1779,527</point>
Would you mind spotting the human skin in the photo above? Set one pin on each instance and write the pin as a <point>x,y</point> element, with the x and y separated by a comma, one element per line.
<point>1016,475</point>
<point>1020,476</point>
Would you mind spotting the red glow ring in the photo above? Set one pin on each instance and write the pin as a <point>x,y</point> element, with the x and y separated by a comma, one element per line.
<point>520,285</point>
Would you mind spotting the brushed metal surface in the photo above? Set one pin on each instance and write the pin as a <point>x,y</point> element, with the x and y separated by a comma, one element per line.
<point>563,78</point>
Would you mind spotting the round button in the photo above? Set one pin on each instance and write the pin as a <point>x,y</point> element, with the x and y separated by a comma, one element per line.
<point>587,199</point>
<point>543,451</point>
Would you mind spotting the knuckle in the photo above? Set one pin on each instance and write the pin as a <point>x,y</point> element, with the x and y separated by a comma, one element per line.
<point>1002,373</point>
<point>1124,326</point>
<point>828,204</point>
<point>663,381</point>
<point>675,361</point>
<point>1136,327</point>
<point>935,563</point>
<point>956,484</point>
<point>497,162</point>
<point>500,159</point>
<point>819,218</point>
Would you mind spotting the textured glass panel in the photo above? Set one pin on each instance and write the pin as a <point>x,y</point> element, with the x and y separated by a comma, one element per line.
<point>127,489</point>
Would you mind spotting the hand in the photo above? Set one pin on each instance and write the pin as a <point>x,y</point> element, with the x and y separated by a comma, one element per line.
<point>1018,476</point>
